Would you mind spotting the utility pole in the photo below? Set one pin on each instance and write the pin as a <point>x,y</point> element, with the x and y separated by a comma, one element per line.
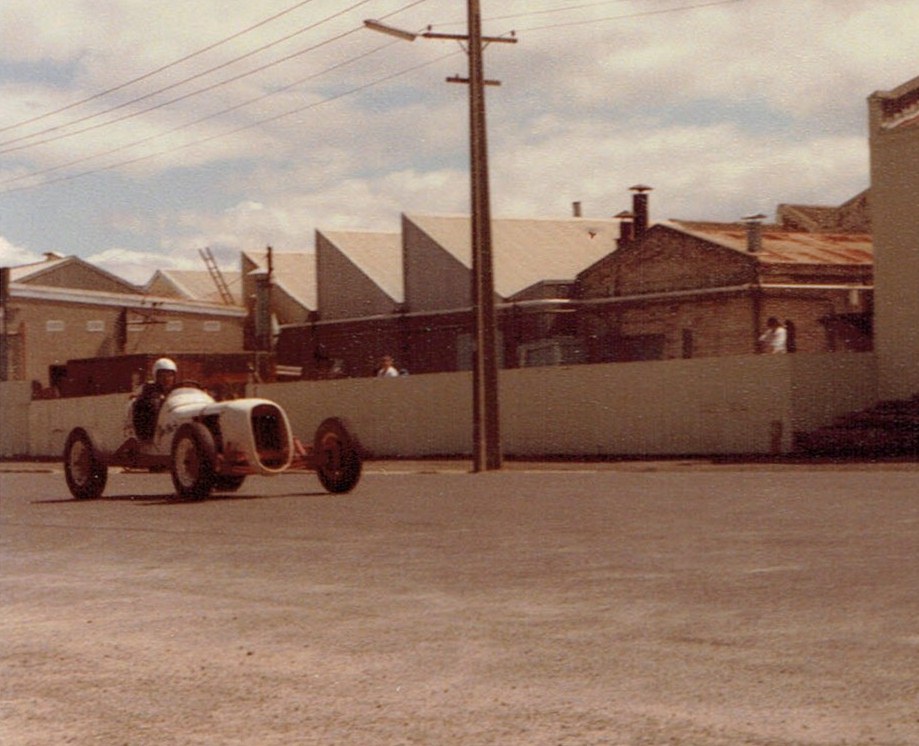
<point>486,430</point>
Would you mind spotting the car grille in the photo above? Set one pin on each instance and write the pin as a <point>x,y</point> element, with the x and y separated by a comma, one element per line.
<point>271,437</point>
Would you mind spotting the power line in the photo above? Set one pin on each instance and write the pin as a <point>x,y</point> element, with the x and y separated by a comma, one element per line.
<point>208,117</point>
<point>158,70</point>
<point>638,14</point>
<point>237,130</point>
<point>174,85</point>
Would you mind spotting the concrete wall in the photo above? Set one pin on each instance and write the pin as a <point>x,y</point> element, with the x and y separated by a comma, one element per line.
<point>15,398</point>
<point>744,404</point>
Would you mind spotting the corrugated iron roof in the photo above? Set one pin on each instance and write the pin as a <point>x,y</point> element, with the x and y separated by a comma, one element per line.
<point>294,272</point>
<point>527,251</point>
<point>786,247</point>
<point>197,284</point>
<point>377,254</point>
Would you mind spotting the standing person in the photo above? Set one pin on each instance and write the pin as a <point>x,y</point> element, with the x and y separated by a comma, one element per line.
<point>775,338</point>
<point>387,369</point>
<point>148,403</point>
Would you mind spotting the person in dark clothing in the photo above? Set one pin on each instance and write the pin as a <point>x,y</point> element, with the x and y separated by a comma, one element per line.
<point>147,406</point>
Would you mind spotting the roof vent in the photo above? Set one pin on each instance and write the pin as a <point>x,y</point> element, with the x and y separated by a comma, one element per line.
<point>754,232</point>
<point>52,256</point>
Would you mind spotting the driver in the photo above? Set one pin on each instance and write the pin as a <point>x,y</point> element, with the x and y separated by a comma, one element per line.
<point>147,406</point>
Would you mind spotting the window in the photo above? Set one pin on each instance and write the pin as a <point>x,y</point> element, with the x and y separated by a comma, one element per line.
<point>212,326</point>
<point>96,325</point>
<point>54,325</point>
<point>174,326</point>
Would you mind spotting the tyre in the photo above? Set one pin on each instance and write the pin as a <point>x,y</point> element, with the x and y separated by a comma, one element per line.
<point>193,455</point>
<point>86,475</point>
<point>228,482</point>
<point>337,456</point>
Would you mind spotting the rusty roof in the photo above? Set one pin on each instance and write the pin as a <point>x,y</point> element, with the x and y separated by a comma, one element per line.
<point>786,247</point>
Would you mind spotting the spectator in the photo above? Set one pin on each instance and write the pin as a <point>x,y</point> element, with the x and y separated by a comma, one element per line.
<point>387,369</point>
<point>775,338</point>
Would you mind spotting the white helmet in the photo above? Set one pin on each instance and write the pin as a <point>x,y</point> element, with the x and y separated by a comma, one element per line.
<point>164,363</point>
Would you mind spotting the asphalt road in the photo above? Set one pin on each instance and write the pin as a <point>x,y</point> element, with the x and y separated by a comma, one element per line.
<point>637,603</point>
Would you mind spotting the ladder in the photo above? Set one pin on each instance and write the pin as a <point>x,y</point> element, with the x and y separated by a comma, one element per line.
<point>216,275</point>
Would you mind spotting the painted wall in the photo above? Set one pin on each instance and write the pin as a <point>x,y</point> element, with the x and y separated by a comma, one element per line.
<point>744,404</point>
<point>895,220</point>
<point>15,399</point>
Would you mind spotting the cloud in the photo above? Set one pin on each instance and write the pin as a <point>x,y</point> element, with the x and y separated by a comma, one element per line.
<point>724,110</point>
<point>12,255</point>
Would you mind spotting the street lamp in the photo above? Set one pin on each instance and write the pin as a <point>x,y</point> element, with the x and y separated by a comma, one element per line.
<point>486,431</point>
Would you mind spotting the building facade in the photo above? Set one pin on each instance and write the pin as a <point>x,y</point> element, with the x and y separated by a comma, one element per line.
<point>65,308</point>
<point>894,145</point>
<point>693,289</point>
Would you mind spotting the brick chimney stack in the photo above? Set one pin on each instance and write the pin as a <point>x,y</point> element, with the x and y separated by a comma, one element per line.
<point>640,208</point>
<point>625,219</point>
<point>754,232</point>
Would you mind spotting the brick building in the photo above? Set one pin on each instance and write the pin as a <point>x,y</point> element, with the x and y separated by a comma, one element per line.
<point>683,289</point>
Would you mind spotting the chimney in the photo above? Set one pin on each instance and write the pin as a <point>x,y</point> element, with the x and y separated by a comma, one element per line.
<point>754,232</point>
<point>625,228</point>
<point>576,209</point>
<point>640,208</point>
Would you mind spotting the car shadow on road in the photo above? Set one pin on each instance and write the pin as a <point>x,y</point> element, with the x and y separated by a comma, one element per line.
<point>171,499</point>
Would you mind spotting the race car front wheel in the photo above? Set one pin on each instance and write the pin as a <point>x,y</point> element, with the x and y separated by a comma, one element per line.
<point>193,455</point>
<point>86,475</point>
<point>337,456</point>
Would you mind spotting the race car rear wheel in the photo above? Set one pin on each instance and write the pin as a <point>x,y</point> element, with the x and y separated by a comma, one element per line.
<point>193,456</point>
<point>337,456</point>
<point>86,475</point>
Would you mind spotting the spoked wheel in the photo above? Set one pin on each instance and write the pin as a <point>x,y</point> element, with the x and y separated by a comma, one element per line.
<point>337,455</point>
<point>193,455</point>
<point>86,475</point>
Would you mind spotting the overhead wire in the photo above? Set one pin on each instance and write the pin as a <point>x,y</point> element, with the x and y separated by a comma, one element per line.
<point>126,146</point>
<point>287,87</point>
<point>158,70</point>
<point>636,14</point>
<point>207,117</point>
<point>177,84</point>
<point>242,128</point>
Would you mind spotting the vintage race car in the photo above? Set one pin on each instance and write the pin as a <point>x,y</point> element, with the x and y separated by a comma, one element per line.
<point>210,445</point>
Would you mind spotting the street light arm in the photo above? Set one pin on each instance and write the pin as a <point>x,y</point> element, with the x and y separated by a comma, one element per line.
<point>390,30</point>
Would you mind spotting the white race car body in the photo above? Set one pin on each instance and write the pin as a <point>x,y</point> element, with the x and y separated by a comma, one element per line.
<point>210,445</point>
<point>251,436</point>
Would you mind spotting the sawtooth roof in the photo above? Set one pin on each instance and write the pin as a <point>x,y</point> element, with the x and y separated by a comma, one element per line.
<point>377,254</point>
<point>527,251</point>
<point>294,272</point>
<point>785,247</point>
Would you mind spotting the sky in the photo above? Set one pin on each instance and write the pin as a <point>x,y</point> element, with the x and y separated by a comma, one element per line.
<point>133,134</point>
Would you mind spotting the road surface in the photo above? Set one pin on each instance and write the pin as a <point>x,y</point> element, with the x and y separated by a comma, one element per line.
<point>637,603</point>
